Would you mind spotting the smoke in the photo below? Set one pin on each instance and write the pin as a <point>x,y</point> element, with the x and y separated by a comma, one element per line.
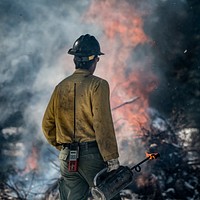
<point>35,37</point>
<point>138,38</point>
<point>171,27</point>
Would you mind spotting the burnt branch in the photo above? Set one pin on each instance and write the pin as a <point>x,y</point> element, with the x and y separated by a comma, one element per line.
<point>125,103</point>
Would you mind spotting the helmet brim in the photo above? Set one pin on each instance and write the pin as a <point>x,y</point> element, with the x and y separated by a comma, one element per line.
<point>75,53</point>
<point>71,51</point>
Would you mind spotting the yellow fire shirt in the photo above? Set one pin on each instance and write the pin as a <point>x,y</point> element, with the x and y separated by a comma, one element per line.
<point>93,114</point>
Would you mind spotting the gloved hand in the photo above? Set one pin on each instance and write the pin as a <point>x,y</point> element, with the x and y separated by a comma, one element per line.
<point>113,164</point>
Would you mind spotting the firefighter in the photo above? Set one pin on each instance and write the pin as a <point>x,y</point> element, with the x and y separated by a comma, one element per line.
<point>78,115</point>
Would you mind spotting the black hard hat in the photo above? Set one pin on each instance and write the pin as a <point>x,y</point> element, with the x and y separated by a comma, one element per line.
<point>85,45</point>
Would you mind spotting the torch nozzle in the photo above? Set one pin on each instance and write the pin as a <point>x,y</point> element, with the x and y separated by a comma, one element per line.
<point>152,155</point>
<point>149,156</point>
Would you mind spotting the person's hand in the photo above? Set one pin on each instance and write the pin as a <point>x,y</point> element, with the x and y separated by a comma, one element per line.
<point>113,164</point>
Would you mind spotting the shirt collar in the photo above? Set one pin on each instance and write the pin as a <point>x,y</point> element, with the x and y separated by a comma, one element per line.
<point>84,72</point>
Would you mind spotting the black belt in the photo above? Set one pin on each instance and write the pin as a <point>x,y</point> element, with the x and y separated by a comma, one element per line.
<point>84,145</point>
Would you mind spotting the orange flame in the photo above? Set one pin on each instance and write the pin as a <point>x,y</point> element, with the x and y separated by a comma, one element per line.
<point>122,24</point>
<point>32,161</point>
<point>118,18</point>
<point>152,156</point>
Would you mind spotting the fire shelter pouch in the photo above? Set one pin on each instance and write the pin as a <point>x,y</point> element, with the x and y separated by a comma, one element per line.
<point>64,153</point>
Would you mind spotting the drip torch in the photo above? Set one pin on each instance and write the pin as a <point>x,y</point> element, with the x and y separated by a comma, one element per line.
<point>108,184</point>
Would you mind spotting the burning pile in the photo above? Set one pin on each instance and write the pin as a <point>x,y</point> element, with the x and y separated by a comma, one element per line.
<point>131,67</point>
<point>131,79</point>
<point>129,70</point>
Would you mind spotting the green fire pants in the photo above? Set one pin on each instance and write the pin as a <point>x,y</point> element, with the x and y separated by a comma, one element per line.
<point>76,185</point>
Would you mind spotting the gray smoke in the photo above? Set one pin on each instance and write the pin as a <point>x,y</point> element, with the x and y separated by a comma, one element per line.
<point>34,39</point>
